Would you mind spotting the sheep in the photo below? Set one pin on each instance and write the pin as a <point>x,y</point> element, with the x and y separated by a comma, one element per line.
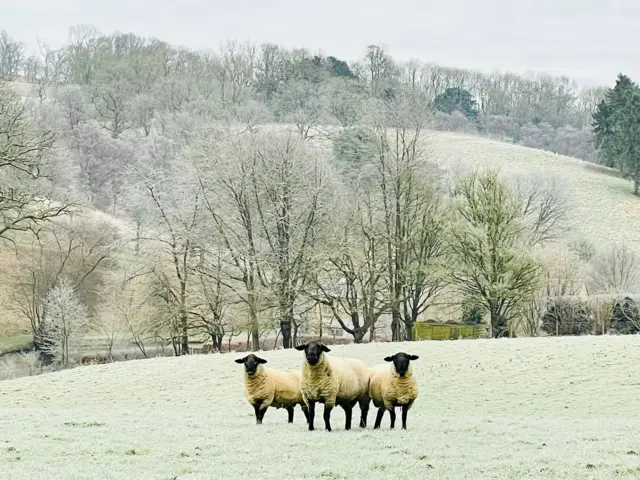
<point>393,386</point>
<point>266,387</point>
<point>333,381</point>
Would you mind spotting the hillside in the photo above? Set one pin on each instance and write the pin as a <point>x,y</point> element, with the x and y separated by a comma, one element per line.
<point>603,205</point>
<point>519,408</point>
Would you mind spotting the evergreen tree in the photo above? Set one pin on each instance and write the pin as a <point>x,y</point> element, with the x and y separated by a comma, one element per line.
<point>617,128</point>
<point>455,98</point>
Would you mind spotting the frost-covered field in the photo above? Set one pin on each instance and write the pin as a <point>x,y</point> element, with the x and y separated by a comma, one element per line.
<point>518,408</point>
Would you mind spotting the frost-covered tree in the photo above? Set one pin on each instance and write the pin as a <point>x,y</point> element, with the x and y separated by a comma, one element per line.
<point>65,321</point>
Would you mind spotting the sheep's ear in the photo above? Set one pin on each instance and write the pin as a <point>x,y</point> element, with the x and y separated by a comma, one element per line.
<point>388,359</point>
<point>301,347</point>
<point>261,360</point>
<point>413,357</point>
<point>239,360</point>
<point>324,348</point>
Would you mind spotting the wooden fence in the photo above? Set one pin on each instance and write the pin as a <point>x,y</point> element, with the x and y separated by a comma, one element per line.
<point>447,331</point>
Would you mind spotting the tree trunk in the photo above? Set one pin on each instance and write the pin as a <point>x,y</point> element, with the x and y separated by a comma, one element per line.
<point>396,326</point>
<point>636,182</point>
<point>253,323</point>
<point>499,327</point>
<point>285,328</point>
<point>358,335</point>
<point>184,338</point>
<point>286,325</point>
<point>409,329</point>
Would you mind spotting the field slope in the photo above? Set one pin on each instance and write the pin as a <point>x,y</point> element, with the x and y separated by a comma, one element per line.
<point>512,408</point>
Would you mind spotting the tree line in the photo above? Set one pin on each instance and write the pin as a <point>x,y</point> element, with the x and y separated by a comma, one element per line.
<point>236,223</point>
<point>129,81</point>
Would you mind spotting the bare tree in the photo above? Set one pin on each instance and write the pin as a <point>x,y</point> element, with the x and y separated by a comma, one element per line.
<point>25,150</point>
<point>408,196</point>
<point>213,313</point>
<point>545,206</point>
<point>77,248</point>
<point>229,200</point>
<point>351,278</point>
<point>270,195</point>
<point>175,198</point>
<point>615,269</point>
<point>11,57</point>
<point>66,320</point>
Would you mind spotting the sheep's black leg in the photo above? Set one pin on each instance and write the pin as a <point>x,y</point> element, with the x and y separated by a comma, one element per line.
<point>261,413</point>
<point>327,417</point>
<point>392,414</point>
<point>378,418</point>
<point>405,409</point>
<point>305,410</point>
<point>256,409</point>
<point>348,412</point>
<point>290,412</point>
<point>312,413</point>
<point>364,411</point>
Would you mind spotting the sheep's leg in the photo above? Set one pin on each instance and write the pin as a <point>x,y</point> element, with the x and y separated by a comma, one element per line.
<point>392,414</point>
<point>405,409</point>
<point>290,412</point>
<point>305,410</point>
<point>379,418</point>
<point>327,416</point>
<point>259,415</point>
<point>263,410</point>
<point>348,412</point>
<point>312,413</point>
<point>364,411</point>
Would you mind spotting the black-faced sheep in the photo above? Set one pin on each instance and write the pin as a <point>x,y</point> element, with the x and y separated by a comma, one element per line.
<point>333,381</point>
<point>393,386</point>
<point>266,387</point>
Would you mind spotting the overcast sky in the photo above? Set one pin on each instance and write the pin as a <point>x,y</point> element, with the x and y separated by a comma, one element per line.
<point>588,40</point>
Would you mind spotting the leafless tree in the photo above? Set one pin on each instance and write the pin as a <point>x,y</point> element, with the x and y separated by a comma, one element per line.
<point>408,196</point>
<point>79,249</point>
<point>175,198</point>
<point>351,277</point>
<point>25,170</point>
<point>615,269</point>
<point>270,195</point>
<point>66,320</point>
<point>545,206</point>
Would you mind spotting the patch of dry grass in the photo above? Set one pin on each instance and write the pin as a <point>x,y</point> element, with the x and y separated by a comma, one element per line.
<point>512,408</point>
<point>9,344</point>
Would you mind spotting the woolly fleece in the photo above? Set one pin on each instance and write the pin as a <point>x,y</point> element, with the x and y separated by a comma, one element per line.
<point>275,388</point>
<point>388,389</point>
<point>336,380</point>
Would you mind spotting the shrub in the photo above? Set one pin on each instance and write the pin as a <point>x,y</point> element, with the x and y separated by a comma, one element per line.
<point>354,146</point>
<point>472,312</point>
<point>568,316</point>
<point>625,318</point>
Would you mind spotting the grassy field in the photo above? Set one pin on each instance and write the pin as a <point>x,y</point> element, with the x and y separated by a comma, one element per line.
<point>509,409</point>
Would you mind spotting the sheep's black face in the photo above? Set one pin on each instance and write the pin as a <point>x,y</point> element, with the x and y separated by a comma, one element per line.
<point>313,351</point>
<point>401,362</point>
<point>251,363</point>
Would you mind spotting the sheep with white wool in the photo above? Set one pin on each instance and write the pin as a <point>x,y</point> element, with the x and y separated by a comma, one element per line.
<point>393,386</point>
<point>333,381</point>
<point>266,387</point>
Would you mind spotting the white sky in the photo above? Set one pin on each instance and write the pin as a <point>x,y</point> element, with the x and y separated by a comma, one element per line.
<point>588,40</point>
